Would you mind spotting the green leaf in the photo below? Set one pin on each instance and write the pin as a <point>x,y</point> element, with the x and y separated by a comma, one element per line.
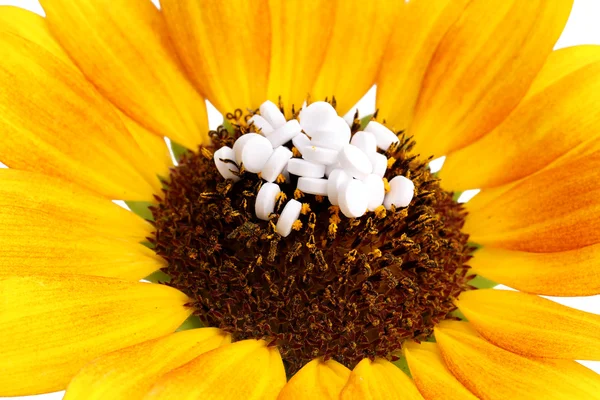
<point>482,283</point>
<point>191,323</point>
<point>158,276</point>
<point>141,208</point>
<point>365,120</point>
<point>403,365</point>
<point>178,150</point>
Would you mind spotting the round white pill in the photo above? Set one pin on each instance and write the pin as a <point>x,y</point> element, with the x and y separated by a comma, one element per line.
<point>379,163</point>
<point>239,144</point>
<point>285,133</point>
<point>265,200</point>
<point>288,216</point>
<point>384,136</point>
<point>365,141</point>
<point>337,179</point>
<point>300,141</point>
<point>335,135</point>
<point>276,163</point>
<point>256,153</point>
<point>353,199</point>
<point>330,168</point>
<point>319,155</point>
<point>316,115</point>
<point>401,192</point>
<point>355,162</point>
<point>309,169</point>
<point>261,125</point>
<point>226,169</point>
<point>376,191</point>
<point>270,112</point>
<point>314,186</point>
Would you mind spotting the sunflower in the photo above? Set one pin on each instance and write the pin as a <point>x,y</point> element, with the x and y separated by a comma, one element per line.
<point>333,302</point>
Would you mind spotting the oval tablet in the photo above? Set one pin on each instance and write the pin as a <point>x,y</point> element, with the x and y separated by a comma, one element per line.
<point>270,112</point>
<point>384,136</point>
<point>309,169</point>
<point>379,163</point>
<point>265,200</point>
<point>288,216</point>
<point>255,153</point>
<point>319,155</point>
<point>353,199</point>
<point>239,144</point>
<point>285,133</point>
<point>334,135</point>
<point>314,186</point>
<point>402,191</point>
<point>376,191</point>
<point>365,141</point>
<point>276,163</point>
<point>316,115</point>
<point>226,169</point>
<point>337,179</point>
<point>300,141</point>
<point>355,162</point>
<point>261,125</point>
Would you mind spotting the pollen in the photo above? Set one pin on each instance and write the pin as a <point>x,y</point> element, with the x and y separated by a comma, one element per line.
<point>335,287</point>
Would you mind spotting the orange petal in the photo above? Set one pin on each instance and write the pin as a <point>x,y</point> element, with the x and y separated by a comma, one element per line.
<point>298,47</point>
<point>557,118</point>
<point>341,75</point>
<point>55,121</point>
<point>128,373</point>
<point>482,68</point>
<point>124,49</point>
<point>565,273</point>
<point>554,210</point>
<point>431,376</point>
<point>316,380</point>
<point>532,326</point>
<point>420,26</point>
<point>246,370</point>
<point>494,373</point>
<point>379,380</point>
<point>225,47</point>
<point>52,226</point>
<point>52,325</point>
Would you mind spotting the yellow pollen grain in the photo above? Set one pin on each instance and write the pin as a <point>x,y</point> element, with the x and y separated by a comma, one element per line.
<point>296,152</point>
<point>376,253</point>
<point>386,185</point>
<point>333,228</point>
<point>298,194</point>
<point>207,153</point>
<point>319,198</point>
<point>281,196</point>
<point>297,225</point>
<point>280,178</point>
<point>259,175</point>
<point>390,162</point>
<point>305,209</point>
<point>380,211</point>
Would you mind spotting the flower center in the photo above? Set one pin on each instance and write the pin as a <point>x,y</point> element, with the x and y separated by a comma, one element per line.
<point>332,284</point>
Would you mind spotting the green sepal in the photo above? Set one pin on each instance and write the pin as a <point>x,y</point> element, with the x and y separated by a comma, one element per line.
<point>141,208</point>
<point>158,276</point>
<point>178,150</point>
<point>192,322</point>
<point>403,365</point>
<point>482,283</point>
<point>455,195</point>
<point>458,314</point>
<point>365,120</point>
<point>227,125</point>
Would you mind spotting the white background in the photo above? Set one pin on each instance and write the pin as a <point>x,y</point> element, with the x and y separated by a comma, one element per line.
<point>583,28</point>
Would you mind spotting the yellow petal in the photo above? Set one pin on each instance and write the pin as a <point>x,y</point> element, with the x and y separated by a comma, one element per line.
<point>482,68</point>
<point>225,47</point>
<point>52,325</point>
<point>246,370</point>
<point>430,374</point>
<point>128,373</point>
<point>300,33</point>
<point>54,121</point>
<point>532,326</point>
<point>565,273</point>
<point>493,373</point>
<point>316,380</point>
<point>379,380</point>
<point>123,47</point>
<point>360,32</point>
<point>420,26</point>
<point>559,117</point>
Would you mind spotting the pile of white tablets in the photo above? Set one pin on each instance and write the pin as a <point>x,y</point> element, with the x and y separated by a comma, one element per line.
<point>347,169</point>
